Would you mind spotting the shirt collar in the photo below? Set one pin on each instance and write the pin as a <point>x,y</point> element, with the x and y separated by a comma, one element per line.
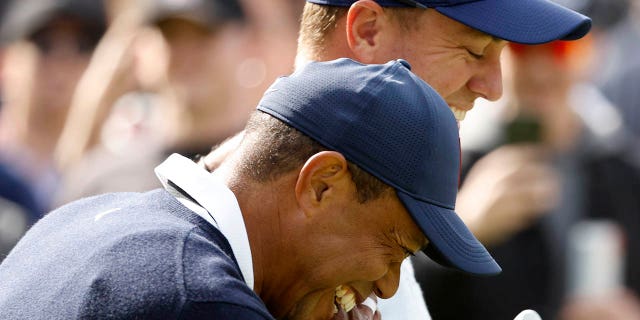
<point>219,202</point>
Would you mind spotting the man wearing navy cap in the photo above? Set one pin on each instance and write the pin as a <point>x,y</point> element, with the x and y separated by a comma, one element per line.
<point>344,171</point>
<point>453,45</point>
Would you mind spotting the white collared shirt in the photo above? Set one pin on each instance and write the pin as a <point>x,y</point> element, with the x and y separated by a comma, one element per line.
<point>215,203</point>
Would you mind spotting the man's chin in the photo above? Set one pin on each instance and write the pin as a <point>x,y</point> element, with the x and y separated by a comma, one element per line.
<point>316,307</point>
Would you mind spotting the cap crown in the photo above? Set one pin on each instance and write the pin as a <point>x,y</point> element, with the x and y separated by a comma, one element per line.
<point>383,118</point>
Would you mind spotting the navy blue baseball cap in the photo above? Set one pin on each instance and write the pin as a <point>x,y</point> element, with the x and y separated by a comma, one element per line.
<point>390,123</point>
<point>521,21</point>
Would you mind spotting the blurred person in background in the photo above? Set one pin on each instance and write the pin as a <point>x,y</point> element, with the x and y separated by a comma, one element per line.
<point>46,47</point>
<point>204,39</point>
<point>271,46</point>
<point>111,73</point>
<point>564,158</point>
<point>620,78</point>
<point>18,206</point>
<point>189,97</point>
<point>616,33</point>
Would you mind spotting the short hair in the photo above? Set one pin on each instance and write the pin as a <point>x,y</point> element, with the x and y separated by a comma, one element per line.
<point>275,148</point>
<point>318,21</point>
<point>316,24</point>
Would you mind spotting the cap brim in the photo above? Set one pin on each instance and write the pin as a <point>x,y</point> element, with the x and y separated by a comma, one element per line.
<point>450,241</point>
<point>521,21</point>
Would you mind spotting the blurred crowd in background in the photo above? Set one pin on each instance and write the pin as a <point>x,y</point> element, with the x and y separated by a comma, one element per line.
<point>95,94</point>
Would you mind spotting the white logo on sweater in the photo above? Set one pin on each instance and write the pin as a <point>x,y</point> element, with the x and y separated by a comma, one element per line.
<point>104,213</point>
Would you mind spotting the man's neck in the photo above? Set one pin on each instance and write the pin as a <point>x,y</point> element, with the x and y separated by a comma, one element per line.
<point>262,205</point>
<point>334,46</point>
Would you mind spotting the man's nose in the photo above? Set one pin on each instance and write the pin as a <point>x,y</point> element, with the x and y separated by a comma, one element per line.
<point>487,82</point>
<point>387,286</point>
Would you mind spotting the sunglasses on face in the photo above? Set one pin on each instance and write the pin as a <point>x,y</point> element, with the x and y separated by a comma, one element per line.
<point>74,36</point>
<point>79,43</point>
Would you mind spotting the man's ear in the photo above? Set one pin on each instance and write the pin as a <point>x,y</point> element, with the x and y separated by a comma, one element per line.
<point>321,179</point>
<point>365,21</point>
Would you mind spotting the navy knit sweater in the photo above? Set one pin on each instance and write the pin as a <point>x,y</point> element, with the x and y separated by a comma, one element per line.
<point>125,256</point>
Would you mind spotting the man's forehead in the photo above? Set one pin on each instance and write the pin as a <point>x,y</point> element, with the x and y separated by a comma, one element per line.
<point>480,34</point>
<point>433,23</point>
